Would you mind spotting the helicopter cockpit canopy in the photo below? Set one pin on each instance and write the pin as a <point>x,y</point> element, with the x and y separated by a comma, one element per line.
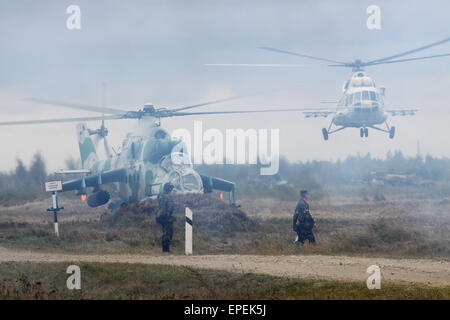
<point>175,160</point>
<point>365,97</point>
<point>180,173</point>
<point>186,181</point>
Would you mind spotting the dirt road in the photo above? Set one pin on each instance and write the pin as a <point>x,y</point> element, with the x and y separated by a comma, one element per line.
<point>429,272</point>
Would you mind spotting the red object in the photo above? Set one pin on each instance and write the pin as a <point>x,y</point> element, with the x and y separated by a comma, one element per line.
<point>221,196</point>
<point>83,197</point>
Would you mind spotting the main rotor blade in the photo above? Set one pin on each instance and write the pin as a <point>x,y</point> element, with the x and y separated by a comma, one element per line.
<point>77,106</point>
<point>12,123</point>
<point>178,114</point>
<point>300,55</point>
<point>434,44</point>
<point>342,65</point>
<point>263,65</point>
<point>411,59</point>
<point>214,101</point>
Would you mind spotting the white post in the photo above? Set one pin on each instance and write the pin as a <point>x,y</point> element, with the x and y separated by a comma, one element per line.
<point>56,225</point>
<point>188,240</point>
<point>55,214</point>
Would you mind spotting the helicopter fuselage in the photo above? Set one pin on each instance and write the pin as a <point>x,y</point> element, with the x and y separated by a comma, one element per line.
<point>150,162</point>
<point>143,165</point>
<point>361,104</point>
<point>360,117</point>
<point>139,170</point>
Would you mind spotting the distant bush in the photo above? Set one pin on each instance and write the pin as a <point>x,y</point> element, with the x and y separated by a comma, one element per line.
<point>350,177</point>
<point>22,184</point>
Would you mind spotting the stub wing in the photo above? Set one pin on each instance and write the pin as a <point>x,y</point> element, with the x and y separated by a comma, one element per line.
<point>118,175</point>
<point>401,111</point>
<point>212,183</point>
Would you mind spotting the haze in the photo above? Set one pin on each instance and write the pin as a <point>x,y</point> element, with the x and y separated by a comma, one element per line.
<point>155,51</point>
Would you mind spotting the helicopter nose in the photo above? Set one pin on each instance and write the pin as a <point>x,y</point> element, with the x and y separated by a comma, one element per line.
<point>185,181</point>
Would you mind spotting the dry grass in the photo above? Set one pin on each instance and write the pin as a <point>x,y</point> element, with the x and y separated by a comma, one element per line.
<point>392,229</point>
<point>123,281</point>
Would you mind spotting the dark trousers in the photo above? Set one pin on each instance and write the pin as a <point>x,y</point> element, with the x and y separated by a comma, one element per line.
<point>167,235</point>
<point>305,234</point>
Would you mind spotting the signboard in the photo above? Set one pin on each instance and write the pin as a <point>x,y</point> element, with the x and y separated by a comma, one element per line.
<point>52,186</point>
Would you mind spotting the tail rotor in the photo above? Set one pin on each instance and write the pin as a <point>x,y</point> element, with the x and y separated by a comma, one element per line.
<point>99,134</point>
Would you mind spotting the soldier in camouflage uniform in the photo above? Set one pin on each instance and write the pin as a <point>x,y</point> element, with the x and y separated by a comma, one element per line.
<point>165,215</point>
<point>303,222</point>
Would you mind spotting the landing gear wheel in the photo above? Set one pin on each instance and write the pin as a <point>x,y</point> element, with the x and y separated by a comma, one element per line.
<point>366,132</point>
<point>392,133</point>
<point>361,132</point>
<point>325,134</point>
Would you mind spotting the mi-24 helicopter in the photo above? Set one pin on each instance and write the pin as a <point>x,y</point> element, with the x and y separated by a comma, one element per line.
<point>147,159</point>
<point>361,105</point>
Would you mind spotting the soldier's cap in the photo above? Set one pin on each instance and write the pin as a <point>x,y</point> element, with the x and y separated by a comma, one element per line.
<point>168,186</point>
<point>303,192</point>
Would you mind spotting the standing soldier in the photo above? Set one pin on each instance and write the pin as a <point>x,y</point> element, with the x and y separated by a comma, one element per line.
<point>303,222</point>
<point>165,217</point>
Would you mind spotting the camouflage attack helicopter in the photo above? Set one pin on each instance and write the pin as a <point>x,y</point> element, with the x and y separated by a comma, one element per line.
<point>147,159</point>
<point>361,105</point>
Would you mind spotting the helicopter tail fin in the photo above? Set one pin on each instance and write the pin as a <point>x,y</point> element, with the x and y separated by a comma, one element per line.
<point>87,148</point>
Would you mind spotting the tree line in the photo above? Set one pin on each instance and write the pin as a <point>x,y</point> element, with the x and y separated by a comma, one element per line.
<point>25,176</point>
<point>24,182</point>
<point>27,181</point>
<point>351,175</point>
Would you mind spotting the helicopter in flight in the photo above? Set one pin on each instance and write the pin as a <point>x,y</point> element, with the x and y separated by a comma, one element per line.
<point>361,105</point>
<point>147,160</point>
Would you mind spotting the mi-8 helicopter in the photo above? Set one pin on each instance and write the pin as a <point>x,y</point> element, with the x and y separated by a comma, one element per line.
<point>147,159</point>
<point>361,105</point>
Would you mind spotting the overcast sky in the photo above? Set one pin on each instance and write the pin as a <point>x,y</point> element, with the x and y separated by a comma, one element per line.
<point>155,51</point>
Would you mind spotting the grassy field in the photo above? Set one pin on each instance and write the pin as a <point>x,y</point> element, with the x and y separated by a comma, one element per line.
<point>135,281</point>
<point>389,229</point>
<point>396,228</point>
